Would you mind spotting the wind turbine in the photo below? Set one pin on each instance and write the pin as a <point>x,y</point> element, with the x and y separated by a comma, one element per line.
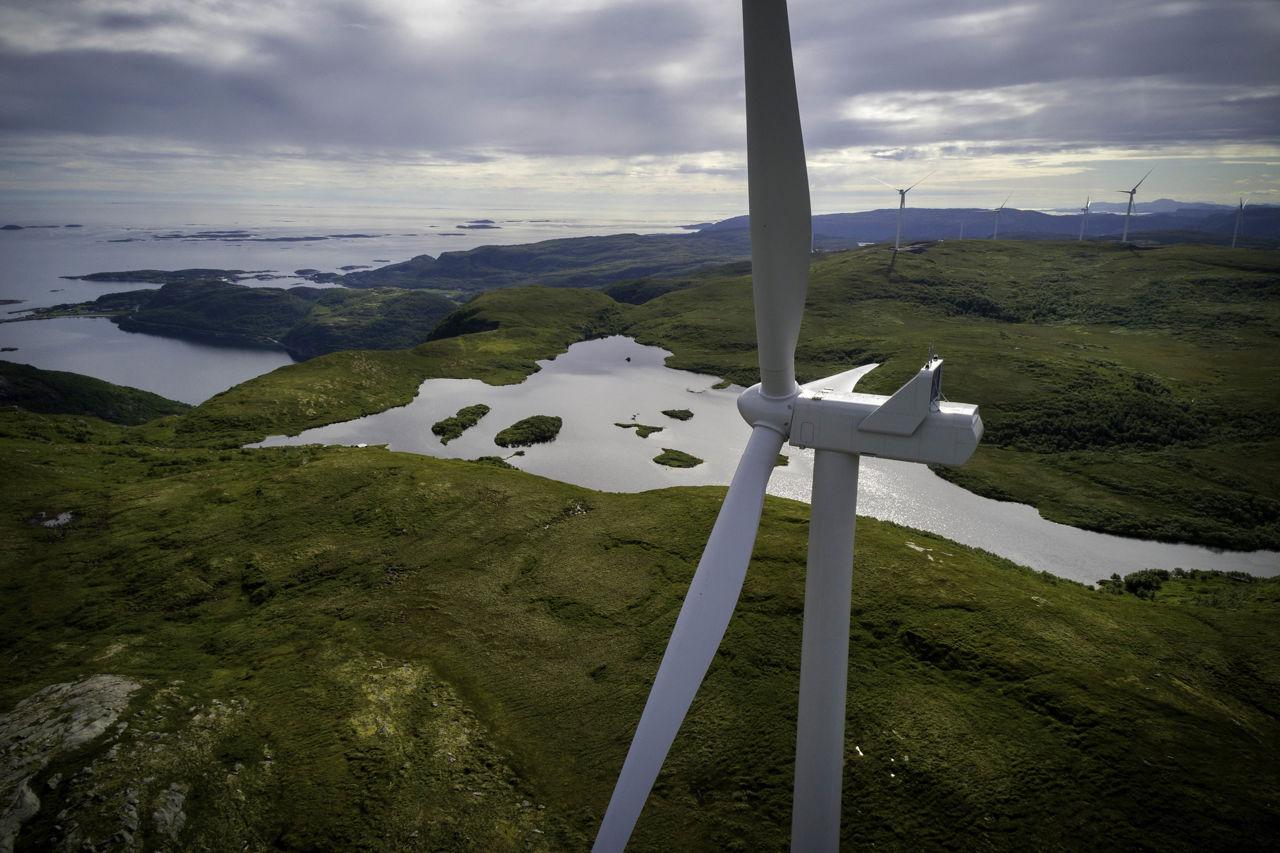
<point>902,204</point>
<point>1239,218</point>
<point>996,233</point>
<point>1124,238</point>
<point>1085,218</point>
<point>914,424</point>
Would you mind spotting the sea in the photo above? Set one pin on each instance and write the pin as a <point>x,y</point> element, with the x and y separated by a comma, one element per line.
<point>35,261</point>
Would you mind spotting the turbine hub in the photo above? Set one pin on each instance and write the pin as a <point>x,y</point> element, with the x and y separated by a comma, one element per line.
<point>772,412</point>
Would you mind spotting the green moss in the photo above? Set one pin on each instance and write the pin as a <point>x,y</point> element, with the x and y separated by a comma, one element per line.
<point>454,426</point>
<point>782,461</point>
<point>676,459</point>
<point>535,429</point>
<point>678,414</point>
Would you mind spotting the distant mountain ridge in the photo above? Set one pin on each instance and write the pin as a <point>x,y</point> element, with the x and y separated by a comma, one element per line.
<point>1160,205</point>
<point>841,230</point>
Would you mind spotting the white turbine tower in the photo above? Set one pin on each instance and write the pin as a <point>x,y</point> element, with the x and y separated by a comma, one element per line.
<point>995,234</point>
<point>902,204</point>
<point>1239,219</point>
<point>914,424</point>
<point>1084,219</point>
<point>1124,238</point>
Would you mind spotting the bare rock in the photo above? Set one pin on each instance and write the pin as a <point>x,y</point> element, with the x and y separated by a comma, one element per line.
<point>57,719</point>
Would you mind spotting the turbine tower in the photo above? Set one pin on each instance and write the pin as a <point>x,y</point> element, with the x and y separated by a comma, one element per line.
<point>1239,219</point>
<point>996,233</point>
<point>914,424</point>
<point>902,204</point>
<point>1124,238</point>
<point>1084,220</point>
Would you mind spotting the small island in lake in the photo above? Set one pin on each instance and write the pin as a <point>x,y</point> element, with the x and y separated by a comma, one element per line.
<point>676,459</point>
<point>453,427</point>
<point>642,430</point>
<point>678,414</point>
<point>537,429</point>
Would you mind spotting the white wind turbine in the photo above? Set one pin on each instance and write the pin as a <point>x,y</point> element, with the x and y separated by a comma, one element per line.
<point>902,204</point>
<point>1239,219</point>
<point>1084,220</point>
<point>995,234</point>
<point>914,424</point>
<point>1124,238</point>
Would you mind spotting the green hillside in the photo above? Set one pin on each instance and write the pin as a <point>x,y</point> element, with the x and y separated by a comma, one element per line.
<point>304,321</point>
<point>1132,392</point>
<point>333,648</point>
<point>58,392</point>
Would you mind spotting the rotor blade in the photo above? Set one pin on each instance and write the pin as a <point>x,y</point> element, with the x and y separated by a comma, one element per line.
<point>1006,200</point>
<point>1144,177</point>
<point>841,383</point>
<point>703,618</point>
<point>890,186</point>
<point>921,181</point>
<point>778,191</point>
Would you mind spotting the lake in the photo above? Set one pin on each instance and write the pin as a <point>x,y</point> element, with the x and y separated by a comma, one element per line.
<point>592,386</point>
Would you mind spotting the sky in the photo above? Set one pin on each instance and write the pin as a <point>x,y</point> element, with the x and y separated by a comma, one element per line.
<point>631,106</point>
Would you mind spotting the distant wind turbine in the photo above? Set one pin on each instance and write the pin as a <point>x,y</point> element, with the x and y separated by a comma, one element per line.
<point>1085,219</point>
<point>902,203</point>
<point>1239,220</point>
<point>996,233</point>
<point>1124,238</point>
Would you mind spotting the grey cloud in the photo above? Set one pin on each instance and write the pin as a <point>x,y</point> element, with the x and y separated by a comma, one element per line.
<point>345,76</point>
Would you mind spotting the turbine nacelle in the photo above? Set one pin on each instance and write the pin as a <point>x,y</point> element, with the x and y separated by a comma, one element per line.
<point>913,425</point>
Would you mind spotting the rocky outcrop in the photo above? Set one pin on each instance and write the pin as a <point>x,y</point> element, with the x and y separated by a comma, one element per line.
<point>53,721</point>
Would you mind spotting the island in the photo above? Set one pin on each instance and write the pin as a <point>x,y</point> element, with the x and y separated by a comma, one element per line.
<point>676,459</point>
<point>642,430</point>
<point>454,426</point>
<point>536,429</point>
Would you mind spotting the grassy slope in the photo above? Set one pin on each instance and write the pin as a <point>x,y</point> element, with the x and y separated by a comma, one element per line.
<point>306,321</point>
<point>568,262</point>
<point>57,392</point>
<point>1131,392</point>
<point>406,645</point>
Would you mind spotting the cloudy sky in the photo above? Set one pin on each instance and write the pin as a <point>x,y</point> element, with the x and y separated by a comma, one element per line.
<point>631,105</point>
